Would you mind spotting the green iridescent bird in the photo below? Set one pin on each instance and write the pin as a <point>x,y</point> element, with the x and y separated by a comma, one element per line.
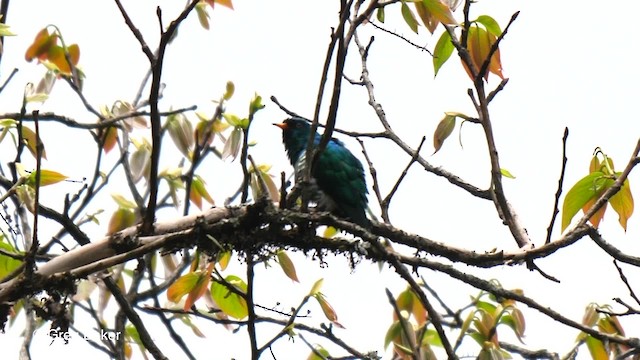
<point>338,182</point>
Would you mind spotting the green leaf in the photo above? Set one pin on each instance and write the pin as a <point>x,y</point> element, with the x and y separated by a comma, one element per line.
<point>490,24</point>
<point>380,14</point>
<point>230,302</point>
<point>442,52</point>
<point>409,18</point>
<point>588,188</point>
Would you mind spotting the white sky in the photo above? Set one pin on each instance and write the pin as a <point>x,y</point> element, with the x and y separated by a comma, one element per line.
<point>569,64</point>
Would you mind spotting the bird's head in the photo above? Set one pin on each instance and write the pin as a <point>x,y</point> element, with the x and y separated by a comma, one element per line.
<point>295,134</point>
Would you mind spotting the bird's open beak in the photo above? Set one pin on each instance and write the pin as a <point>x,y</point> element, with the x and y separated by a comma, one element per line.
<point>282,126</point>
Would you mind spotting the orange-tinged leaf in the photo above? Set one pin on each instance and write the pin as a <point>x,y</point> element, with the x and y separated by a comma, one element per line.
<point>429,21</point>
<point>225,3</point>
<point>198,290</point>
<point>110,139</point>
<point>199,191</point>
<point>29,136</point>
<point>611,325</point>
<point>622,203</point>
<point>223,259</point>
<point>121,219</point>
<point>182,286</point>
<point>443,130</point>
<point>440,11</point>
<point>598,215</point>
<point>495,65</point>
<point>287,265</point>
<point>40,46</point>
<point>56,55</point>
<point>328,310</point>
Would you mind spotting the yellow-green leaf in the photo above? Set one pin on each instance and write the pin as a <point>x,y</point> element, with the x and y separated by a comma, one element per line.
<point>121,219</point>
<point>229,90</point>
<point>29,137</point>
<point>7,263</point>
<point>287,265</point>
<point>408,17</point>
<point>442,52</point>
<point>230,302</point>
<point>316,287</point>
<point>324,353</point>
<point>443,130</point>
<point>596,348</point>
<point>123,202</point>
<point>622,203</point>
<point>490,24</point>
<point>47,177</point>
<point>506,173</point>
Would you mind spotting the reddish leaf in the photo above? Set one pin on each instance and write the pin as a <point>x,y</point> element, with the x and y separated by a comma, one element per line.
<point>40,46</point>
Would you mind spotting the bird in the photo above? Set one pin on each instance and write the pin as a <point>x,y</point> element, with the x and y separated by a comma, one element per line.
<point>338,183</point>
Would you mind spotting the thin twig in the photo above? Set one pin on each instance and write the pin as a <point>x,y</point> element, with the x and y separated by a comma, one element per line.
<point>556,203</point>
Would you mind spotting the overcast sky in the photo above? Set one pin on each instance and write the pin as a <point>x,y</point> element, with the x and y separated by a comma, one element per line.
<point>570,63</point>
